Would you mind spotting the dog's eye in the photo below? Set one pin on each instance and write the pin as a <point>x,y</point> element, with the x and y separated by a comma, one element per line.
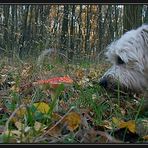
<point>120,61</point>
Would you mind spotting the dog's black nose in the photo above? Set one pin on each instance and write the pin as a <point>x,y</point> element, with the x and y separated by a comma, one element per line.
<point>103,82</point>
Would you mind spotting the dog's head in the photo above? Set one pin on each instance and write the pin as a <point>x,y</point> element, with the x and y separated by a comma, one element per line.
<point>129,58</point>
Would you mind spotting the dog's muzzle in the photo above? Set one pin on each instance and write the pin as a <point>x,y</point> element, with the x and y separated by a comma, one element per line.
<point>113,87</point>
<point>109,83</point>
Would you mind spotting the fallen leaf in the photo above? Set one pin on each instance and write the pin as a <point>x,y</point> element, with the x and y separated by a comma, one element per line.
<point>3,78</point>
<point>26,71</point>
<point>56,116</point>
<point>107,124</point>
<point>72,120</point>
<point>145,137</point>
<point>92,74</point>
<point>39,126</point>
<point>19,125</point>
<point>130,125</point>
<point>79,73</point>
<point>19,114</point>
<point>15,88</point>
<point>56,131</point>
<point>42,107</point>
<point>14,132</point>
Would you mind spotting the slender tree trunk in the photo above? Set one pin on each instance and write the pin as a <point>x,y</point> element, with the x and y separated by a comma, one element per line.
<point>6,24</point>
<point>132,17</point>
<point>80,31</point>
<point>146,16</point>
<point>7,38</point>
<point>88,27</point>
<point>111,28</point>
<point>116,20</point>
<point>71,52</point>
<point>100,31</point>
<point>64,36</point>
<point>24,30</point>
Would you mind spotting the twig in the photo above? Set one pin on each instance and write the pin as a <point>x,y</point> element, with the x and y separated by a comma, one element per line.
<point>58,122</point>
<point>12,115</point>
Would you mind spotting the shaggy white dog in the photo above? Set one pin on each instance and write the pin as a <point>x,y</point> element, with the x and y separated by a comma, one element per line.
<point>129,56</point>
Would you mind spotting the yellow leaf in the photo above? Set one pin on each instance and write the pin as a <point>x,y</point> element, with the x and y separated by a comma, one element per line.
<point>42,107</point>
<point>115,121</point>
<point>73,120</point>
<point>130,125</point>
<point>145,137</point>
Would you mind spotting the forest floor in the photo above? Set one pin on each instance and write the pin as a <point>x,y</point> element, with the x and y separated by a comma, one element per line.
<point>63,103</point>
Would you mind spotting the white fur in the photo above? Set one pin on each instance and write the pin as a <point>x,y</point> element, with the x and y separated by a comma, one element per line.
<point>132,48</point>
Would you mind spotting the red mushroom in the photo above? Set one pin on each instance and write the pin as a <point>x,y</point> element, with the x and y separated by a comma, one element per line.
<point>55,81</point>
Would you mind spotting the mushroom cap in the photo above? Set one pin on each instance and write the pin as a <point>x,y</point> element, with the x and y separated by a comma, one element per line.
<point>56,81</point>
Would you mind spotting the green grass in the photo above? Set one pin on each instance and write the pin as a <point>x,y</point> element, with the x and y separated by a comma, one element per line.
<point>100,104</point>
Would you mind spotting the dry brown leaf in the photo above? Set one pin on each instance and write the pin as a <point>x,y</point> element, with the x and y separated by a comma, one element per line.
<point>3,78</point>
<point>72,120</point>
<point>92,74</point>
<point>107,124</point>
<point>56,117</point>
<point>26,71</point>
<point>19,114</point>
<point>56,131</point>
<point>19,125</point>
<point>39,126</point>
<point>16,133</point>
<point>79,73</point>
<point>15,88</point>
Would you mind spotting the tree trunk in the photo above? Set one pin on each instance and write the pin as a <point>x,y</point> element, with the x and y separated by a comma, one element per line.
<point>71,51</point>
<point>146,16</point>
<point>132,17</point>
<point>64,35</point>
<point>24,30</point>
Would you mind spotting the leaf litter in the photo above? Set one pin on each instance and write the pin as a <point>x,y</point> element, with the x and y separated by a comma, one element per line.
<point>78,124</point>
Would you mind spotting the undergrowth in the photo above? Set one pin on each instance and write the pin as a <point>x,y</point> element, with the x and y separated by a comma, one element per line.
<point>23,122</point>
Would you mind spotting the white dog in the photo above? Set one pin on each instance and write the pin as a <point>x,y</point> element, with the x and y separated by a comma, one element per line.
<point>129,56</point>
